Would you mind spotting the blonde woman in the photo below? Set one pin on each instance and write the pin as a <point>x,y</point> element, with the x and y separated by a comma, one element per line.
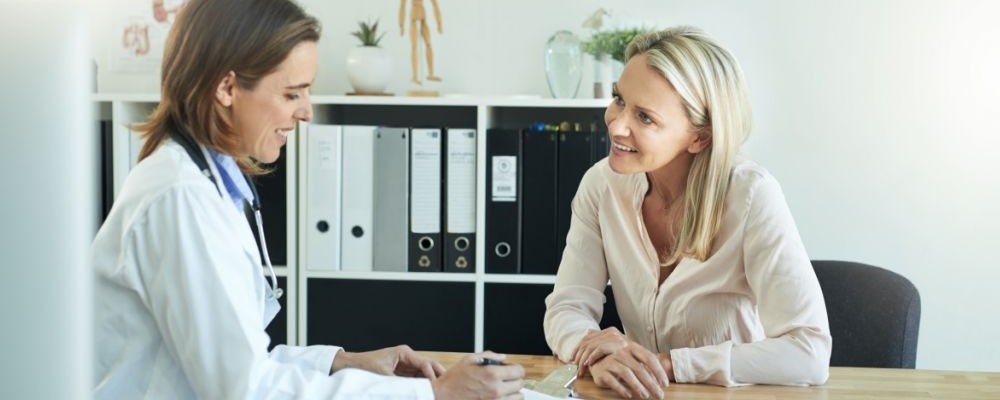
<point>711,280</point>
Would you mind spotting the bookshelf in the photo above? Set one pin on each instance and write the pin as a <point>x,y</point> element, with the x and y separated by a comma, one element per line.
<point>319,305</point>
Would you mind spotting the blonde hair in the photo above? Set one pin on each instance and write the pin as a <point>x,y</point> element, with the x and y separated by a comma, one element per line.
<point>710,83</point>
<point>209,39</point>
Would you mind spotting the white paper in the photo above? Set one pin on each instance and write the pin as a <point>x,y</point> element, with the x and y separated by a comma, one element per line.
<point>533,395</point>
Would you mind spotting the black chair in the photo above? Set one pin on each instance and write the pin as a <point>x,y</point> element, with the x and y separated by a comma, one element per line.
<point>874,315</point>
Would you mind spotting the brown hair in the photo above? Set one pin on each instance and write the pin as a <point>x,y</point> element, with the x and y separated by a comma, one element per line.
<point>209,39</point>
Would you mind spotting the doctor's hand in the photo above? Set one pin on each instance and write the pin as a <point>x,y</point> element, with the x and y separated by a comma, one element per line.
<point>633,371</point>
<point>468,379</point>
<point>399,361</point>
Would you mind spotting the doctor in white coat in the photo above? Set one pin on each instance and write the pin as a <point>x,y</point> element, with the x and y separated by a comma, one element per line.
<point>181,300</point>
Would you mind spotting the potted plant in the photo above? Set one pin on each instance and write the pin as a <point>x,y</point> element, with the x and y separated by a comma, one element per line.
<point>612,43</point>
<point>369,67</point>
<point>608,48</point>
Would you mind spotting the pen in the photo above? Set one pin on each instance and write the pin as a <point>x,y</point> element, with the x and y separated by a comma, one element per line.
<point>490,361</point>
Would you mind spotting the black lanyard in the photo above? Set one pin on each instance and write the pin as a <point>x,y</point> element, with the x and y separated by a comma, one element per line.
<point>250,209</point>
<point>199,159</point>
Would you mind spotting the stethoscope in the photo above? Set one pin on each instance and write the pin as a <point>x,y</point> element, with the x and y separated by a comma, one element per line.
<point>199,159</point>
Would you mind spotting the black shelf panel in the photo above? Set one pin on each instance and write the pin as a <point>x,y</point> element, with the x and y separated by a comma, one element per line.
<point>278,329</point>
<point>514,314</point>
<point>362,315</point>
<point>419,116</point>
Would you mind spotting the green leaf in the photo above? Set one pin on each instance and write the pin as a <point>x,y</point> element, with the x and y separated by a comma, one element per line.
<point>612,43</point>
<point>368,34</point>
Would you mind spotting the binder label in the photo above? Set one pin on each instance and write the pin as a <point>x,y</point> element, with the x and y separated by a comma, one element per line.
<point>504,178</point>
<point>461,181</point>
<point>326,153</point>
<point>425,181</point>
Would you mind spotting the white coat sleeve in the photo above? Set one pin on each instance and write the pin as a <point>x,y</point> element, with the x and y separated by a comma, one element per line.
<point>577,301</point>
<point>199,288</point>
<point>312,358</point>
<point>790,304</point>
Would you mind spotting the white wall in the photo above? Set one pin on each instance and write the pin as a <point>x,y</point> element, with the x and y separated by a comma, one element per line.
<point>879,117</point>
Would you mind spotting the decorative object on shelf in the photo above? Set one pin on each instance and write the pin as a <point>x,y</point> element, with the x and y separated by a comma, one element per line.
<point>612,42</point>
<point>604,70</point>
<point>563,64</point>
<point>418,27</point>
<point>608,48</point>
<point>369,66</point>
<point>138,33</point>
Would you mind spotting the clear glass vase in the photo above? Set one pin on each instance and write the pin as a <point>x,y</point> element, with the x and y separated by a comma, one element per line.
<point>564,64</point>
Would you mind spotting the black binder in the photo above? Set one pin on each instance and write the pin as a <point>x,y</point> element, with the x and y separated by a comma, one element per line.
<point>538,207</point>
<point>107,172</point>
<point>503,194</point>
<point>601,146</point>
<point>575,153</point>
<point>273,189</point>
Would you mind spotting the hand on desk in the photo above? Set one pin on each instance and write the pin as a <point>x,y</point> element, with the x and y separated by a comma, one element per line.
<point>622,365</point>
<point>399,361</point>
<point>468,379</point>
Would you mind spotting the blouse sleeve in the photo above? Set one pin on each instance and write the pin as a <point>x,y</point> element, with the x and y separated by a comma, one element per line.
<point>576,304</point>
<point>789,301</point>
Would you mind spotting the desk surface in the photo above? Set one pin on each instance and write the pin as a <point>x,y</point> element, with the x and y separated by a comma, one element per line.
<point>844,383</point>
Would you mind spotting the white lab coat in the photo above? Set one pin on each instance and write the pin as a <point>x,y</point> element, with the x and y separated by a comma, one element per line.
<point>179,302</point>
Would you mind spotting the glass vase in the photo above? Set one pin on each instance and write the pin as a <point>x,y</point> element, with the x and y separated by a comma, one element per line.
<point>563,64</point>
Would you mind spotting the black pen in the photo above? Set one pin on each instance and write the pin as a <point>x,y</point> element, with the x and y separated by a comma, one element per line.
<point>490,361</point>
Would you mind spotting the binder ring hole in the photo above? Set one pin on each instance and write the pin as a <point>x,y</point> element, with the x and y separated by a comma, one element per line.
<point>502,249</point>
<point>425,243</point>
<point>357,231</point>
<point>461,244</point>
<point>322,226</point>
<point>461,262</point>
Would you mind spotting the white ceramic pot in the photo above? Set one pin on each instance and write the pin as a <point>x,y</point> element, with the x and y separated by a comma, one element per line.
<point>602,76</point>
<point>369,69</point>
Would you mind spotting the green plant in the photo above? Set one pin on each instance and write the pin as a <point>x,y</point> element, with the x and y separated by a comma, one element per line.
<point>368,33</point>
<point>612,43</point>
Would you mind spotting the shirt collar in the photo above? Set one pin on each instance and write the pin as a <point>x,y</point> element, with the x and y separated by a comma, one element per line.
<point>232,178</point>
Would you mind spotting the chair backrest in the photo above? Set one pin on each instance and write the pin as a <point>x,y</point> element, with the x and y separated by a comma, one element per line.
<point>874,315</point>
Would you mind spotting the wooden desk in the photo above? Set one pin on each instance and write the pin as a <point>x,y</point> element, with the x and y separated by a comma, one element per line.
<point>844,383</point>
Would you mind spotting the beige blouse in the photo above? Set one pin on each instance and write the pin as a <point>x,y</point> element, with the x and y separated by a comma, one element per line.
<point>753,312</point>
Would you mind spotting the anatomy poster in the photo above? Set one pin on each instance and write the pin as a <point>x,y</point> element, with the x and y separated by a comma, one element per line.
<point>139,31</point>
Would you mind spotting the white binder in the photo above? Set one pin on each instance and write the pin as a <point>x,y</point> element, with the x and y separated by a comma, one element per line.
<point>322,188</point>
<point>460,201</point>
<point>425,200</point>
<point>358,198</point>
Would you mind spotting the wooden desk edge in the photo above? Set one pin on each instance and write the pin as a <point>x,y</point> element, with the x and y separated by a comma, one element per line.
<point>844,382</point>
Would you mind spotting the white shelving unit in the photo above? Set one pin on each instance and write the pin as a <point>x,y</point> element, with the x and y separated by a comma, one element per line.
<point>489,112</point>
